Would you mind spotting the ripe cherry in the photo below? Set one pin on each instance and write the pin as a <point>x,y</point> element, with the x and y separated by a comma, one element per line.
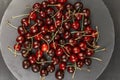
<point>39,54</point>
<point>67,25</point>
<point>76,50</point>
<point>80,64</point>
<point>81,55</point>
<point>59,15</point>
<point>64,58</point>
<point>78,5</point>
<point>21,30</point>
<point>35,68</point>
<point>69,7</point>
<point>88,29</point>
<point>88,38</point>
<point>32,59</point>
<point>39,22</point>
<point>43,72</point>
<point>37,6</point>
<point>55,60</point>
<point>44,29</point>
<point>94,34</point>
<point>26,64</point>
<point>86,11</point>
<point>52,1</point>
<point>28,35</point>
<point>48,21</point>
<point>72,42</point>
<point>34,29</point>
<point>38,37</point>
<point>51,52</point>
<point>20,39</point>
<point>44,47</point>
<point>33,15</point>
<point>88,61</point>
<point>27,44</point>
<point>62,1</point>
<point>25,53</point>
<point>73,58</point>
<point>52,28</point>
<point>70,69</point>
<point>44,4</point>
<point>59,51</point>
<point>89,52</point>
<point>75,25</point>
<point>25,22</point>
<point>51,68</point>
<point>83,46</point>
<point>43,14</point>
<point>50,11</point>
<point>67,35</point>
<point>86,22</point>
<point>17,47</point>
<point>59,74</point>
<point>78,17</point>
<point>62,66</point>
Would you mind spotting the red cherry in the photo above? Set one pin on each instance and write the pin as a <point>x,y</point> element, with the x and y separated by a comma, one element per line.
<point>55,60</point>
<point>44,29</point>
<point>52,1</point>
<point>54,45</point>
<point>73,42</point>
<point>21,30</point>
<point>32,59</point>
<point>73,58</point>
<point>28,35</point>
<point>34,29</point>
<point>94,34</point>
<point>71,69</point>
<point>76,50</point>
<point>49,21</point>
<point>20,39</point>
<point>44,47</point>
<point>88,29</point>
<point>17,47</point>
<point>37,6</point>
<point>62,66</point>
<point>89,52</point>
<point>68,48</point>
<point>80,64</point>
<point>39,54</point>
<point>81,55</point>
<point>38,37</point>
<point>58,23</point>
<point>52,28</point>
<point>76,25</point>
<point>43,14</point>
<point>44,4</point>
<point>60,6</point>
<point>88,38</point>
<point>33,15</point>
<point>86,11</point>
<point>62,1</point>
<point>50,11</point>
<point>59,15</point>
<point>83,46</point>
<point>78,16</point>
<point>25,22</point>
<point>59,51</point>
<point>40,22</point>
<point>36,44</point>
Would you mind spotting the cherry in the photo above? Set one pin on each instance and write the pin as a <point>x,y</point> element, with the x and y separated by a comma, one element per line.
<point>59,51</point>
<point>60,6</point>
<point>28,35</point>
<point>54,45</point>
<point>44,29</point>
<point>51,52</point>
<point>94,34</point>
<point>68,48</point>
<point>89,52</point>
<point>67,25</point>
<point>33,15</point>
<point>76,25</point>
<point>57,37</point>
<point>39,54</point>
<point>25,22</point>
<point>88,29</point>
<point>73,58</point>
<point>20,39</point>
<point>36,44</point>
<point>51,68</point>
<point>78,17</point>
<point>81,55</point>
<point>62,41</point>
<point>77,35</point>
<point>78,5</point>
<point>69,7</point>
<point>88,61</point>
<point>67,35</point>
<point>27,44</point>
<point>83,46</point>
<point>38,37</point>
<point>43,14</point>
<point>59,15</point>
<point>44,47</point>
<point>47,37</point>
<point>86,22</point>
<point>64,58</point>
<point>72,41</point>
<point>59,74</point>
<point>52,28</point>
<point>62,1</point>
<point>86,11</point>
<point>70,69</point>
<point>35,68</point>
<point>21,30</point>
<point>88,38</point>
<point>32,59</point>
<point>67,16</point>
<point>25,53</point>
<point>34,29</point>
<point>17,47</point>
<point>43,72</point>
<point>42,59</point>
<point>50,11</point>
<point>37,6</point>
<point>80,64</point>
<point>44,4</point>
<point>61,30</point>
<point>58,23</point>
<point>39,22</point>
<point>55,60</point>
<point>49,21</point>
<point>52,1</point>
<point>26,64</point>
<point>62,66</point>
<point>76,50</point>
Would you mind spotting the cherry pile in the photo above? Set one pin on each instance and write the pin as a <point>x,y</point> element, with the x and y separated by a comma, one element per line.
<point>57,33</point>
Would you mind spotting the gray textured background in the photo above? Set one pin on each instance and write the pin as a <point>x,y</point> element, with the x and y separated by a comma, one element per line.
<point>112,72</point>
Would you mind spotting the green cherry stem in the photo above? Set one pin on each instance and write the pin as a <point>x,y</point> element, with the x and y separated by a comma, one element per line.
<point>98,34</point>
<point>18,16</point>
<point>95,58</point>
<point>9,23</point>
<point>99,50</point>
<point>44,62</point>
<point>82,27</point>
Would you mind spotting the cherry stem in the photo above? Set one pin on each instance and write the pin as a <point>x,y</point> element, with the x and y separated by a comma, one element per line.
<point>73,32</point>
<point>98,34</point>
<point>84,69</point>
<point>93,46</point>
<point>73,15</point>
<point>44,62</point>
<point>73,76</point>
<point>14,52</point>
<point>95,58</point>
<point>14,17</point>
<point>82,27</point>
<point>100,50</point>
<point>35,35</point>
<point>55,13</point>
<point>9,23</point>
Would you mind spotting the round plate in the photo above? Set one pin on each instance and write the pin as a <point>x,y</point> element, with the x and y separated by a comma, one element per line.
<point>100,16</point>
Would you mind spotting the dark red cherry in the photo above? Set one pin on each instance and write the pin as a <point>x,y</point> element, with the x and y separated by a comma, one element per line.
<point>81,55</point>
<point>52,28</point>
<point>59,15</point>
<point>62,1</point>
<point>67,25</point>
<point>62,41</point>
<point>25,22</point>
<point>64,58</point>
<point>35,68</point>
<point>27,44</point>
<point>21,30</point>
<point>78,17</point>
<point>52,1</point>
<point>60,6</point>
<point>67,35</point>
<point>32,59</point>
<point>76,25</point>
<point>57,37</point>
<point>44,47</point>
<point>71,69</point>
<point>61,30</point>
<point>59,74</point>
<point>51,52</point>
<point>88,61</point>
<point>86,11</point>
<point>37,6</point>
<point>59,51</point>
<point>40,22</point>
<point>44,4</point>
<point>89,52</point>
<point>78,5</point>
<point>73,58</point>
<point>54,44</point>
<point>42,59</point>
<point>94,33</point>
<point>78,35</point>
<point>20,39</point>
<point>83,46</point>
<point>33,15</point>
<point>62,66</point>
<point>67,16</point>
<point>26,64</point>
<point>80,64</point>
<point>38,37</point>
<point>47,37</point>
<point>17,47</point>
<point>76,50</point>
<point>51,68</point>
<point>43,72</point>
<point>28,35</point>
<point>55,60</point>
<point>68,48</point>
<point>44,29</point>
<point>86,22</point>
<point>88,29</point>
<point>43,14</point>
<point>88,38</point>
<point>34,29</point>
<point>25,53</point>
<point>48,21</point>
<point>72,42</point>
<point>58,23</point>
<point>50,11</point>
<point>69,7</point>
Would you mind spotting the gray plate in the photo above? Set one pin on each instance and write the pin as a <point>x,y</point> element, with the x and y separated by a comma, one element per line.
<point>100,17</point>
